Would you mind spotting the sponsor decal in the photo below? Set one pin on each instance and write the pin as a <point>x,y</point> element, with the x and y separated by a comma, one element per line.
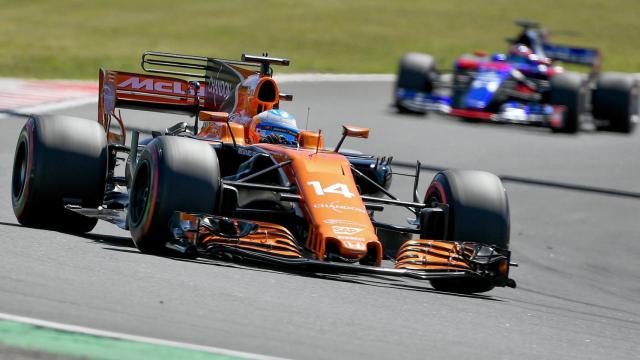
<point>345,230</point>
<point>356,245</point>
<point>108,97</point>
<point>240,118</point>
<point>340,222</point>
<point>162,86</point>
<point>220,88</point>
<point>205,123</point>
<point>246,152</point>
<point>335,206</point>
<point>211,126</point>
<point>354,238</point>
<point>251,83</point>
<point>489,80</point>
<point>573,55</point>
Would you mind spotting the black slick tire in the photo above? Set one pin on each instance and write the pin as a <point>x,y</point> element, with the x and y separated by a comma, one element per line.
<point>568,89</point>
<point>172,174</point>
<point>58,160</point>
<point>416,72</point>
<point>478,212</point>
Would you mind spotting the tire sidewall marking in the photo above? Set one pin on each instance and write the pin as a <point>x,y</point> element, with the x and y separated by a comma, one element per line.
<point>151,205</point>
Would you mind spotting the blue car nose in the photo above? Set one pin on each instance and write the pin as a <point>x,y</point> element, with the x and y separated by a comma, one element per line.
<point>483,88</point>
<point>478,98</point>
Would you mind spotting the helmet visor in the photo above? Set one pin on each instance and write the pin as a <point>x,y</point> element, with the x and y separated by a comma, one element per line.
<point>289,133</point>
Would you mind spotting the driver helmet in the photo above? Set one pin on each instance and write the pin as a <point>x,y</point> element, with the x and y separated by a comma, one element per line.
<point>498,57</point>
<point>520,53</point>
<point>277,122</point>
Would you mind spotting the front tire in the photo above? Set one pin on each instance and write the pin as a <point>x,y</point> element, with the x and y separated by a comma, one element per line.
<point>478,212</point>
<point>569,89</point>
<point>58,160</point>
<point>172,174</point>
<point>417,73</point>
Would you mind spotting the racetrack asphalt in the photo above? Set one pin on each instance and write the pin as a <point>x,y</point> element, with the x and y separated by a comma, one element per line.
<point>575,211</point>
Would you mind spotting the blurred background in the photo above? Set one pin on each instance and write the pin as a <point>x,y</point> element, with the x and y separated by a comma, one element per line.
<point>72,39</point>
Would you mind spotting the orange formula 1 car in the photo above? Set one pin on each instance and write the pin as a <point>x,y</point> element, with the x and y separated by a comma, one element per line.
<point>237,185</point>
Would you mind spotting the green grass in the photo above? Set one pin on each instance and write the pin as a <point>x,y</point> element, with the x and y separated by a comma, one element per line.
<point>83,346</point>
<point>71,39</point>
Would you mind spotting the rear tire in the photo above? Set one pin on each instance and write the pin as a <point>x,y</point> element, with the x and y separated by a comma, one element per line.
<point>478,212</point>
<point>569,89</point>
<point>58,159</point>
<point>416,72</point>
<point>616,99</point>
<point>172,174</point>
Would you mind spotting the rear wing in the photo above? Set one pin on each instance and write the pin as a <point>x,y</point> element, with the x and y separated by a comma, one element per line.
<point>197,83</point>
<point>144,92</point>
<point>535,37</point>
<point>573,55</point>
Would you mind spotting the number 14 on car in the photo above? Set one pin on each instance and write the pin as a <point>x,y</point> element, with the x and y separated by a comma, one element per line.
<point>337,188</point>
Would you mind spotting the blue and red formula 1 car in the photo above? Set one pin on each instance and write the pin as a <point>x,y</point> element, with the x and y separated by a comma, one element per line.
<point>524,86</point>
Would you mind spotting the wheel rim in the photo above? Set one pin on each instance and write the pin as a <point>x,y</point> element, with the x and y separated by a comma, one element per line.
<point>435,196</point>
<point>20,170</point>
<point>434,199</point>
<point>140,194</point>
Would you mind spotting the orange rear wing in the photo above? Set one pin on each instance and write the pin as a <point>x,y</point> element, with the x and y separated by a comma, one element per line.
<point>201,84</point>
<point>144,92</point>
<point>131,90</point>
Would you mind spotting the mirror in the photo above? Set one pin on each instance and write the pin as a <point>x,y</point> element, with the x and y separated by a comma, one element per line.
<point>355,131</point>
<point>213,116</point>
<point>351,131</point>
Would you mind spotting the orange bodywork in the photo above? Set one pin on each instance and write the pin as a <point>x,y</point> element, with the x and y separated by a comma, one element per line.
<point>331,203</point>
<point>217,126</point>
<point>310,140</point>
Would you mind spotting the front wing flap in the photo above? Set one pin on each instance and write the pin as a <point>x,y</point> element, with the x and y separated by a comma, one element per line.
<point>437,255</point>
<point>421,101</point>
<point>214,234</point>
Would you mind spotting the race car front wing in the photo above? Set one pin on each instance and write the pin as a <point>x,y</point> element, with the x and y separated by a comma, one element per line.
<point>513,112</point>
<point>216,236</point>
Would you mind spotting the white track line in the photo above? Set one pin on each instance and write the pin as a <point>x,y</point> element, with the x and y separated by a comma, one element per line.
<point>128,337</point>
<point>37,109</point>
<point>51,106</point>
